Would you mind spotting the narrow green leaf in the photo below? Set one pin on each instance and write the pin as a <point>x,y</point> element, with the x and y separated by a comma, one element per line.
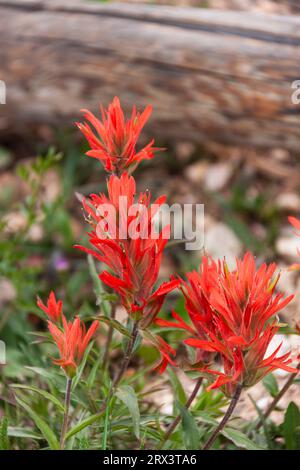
<point>117,325</point>
<point>264,424</point>
<point>291,427</point>
<point>179,392</point>
<point>83,424</point>
<point>42,372</point>
<point>43,393</point>
<point>240,439</point>
<point>127,395</point>
<point>82,366</point>
<point>14,431</point>
<point>191,436</point>
<point>270,384</point>
<point>4,443</point>
<point>41,424</point>
<point>92,375</point>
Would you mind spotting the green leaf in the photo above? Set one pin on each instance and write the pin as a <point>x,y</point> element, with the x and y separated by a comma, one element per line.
<point>92,375</point>
<point>83,424</point>
<point>82,366</point>
<point>270,384</point>
<point>127,395</point>
<point>264,424</point>
<point>179,392</point>
<point>117,325</point>
<point>4,443</point>
<point>41,424</point>
<point>191,436</point>
<point>291,427</point>
<point>14,431</point>
<point>42,372</point>
<point>240,439</point>
<point>43,393</point>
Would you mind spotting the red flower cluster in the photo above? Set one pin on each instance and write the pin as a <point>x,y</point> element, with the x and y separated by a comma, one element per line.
<point>71,339</point>
<point>113,141</point>
<point>232,315</point>
<point>133,258</point>
<point>134,262</point>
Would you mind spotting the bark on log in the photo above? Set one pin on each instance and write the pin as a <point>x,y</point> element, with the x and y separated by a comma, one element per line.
<point>210,75</point>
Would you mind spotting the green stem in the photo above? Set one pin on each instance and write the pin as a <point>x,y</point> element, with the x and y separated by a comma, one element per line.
<point>66,414</point>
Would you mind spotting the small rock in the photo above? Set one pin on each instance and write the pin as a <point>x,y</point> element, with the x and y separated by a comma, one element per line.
<point>263,403</point>
<point>184,150</point>
<point>217,176</point>
<point>280,154</point>
<point>221,241</point>
<point>287,245</point>
<point>195,172</point>
<point>36,233</point>
<point>287,280</point>
<point>7,291</point>
<point>14,222</point>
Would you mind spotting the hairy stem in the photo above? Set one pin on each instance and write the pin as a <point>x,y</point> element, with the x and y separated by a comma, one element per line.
<point>66,414</point>
<point>177,420</point>
<point>278,397</point>
<point>226,417</point>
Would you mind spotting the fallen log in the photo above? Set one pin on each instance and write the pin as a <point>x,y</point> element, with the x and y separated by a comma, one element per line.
<point>210,75</point>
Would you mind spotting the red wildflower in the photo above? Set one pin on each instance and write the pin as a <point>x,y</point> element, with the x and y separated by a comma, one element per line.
<point>134,261</point>
<point>53,308</point>
<point>235,320</point>
<point>72,341</point>
<point>196,291</point>
<point>113,141</point>
<point>133,258</point>
<point>296,223</point>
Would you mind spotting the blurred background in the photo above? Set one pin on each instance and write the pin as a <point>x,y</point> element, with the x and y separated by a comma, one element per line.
<point>219,75</point>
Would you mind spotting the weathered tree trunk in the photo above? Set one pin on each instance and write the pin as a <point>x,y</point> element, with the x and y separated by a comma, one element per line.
<point>210,75</point>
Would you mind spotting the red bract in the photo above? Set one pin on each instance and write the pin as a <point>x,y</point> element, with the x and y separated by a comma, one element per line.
<point>296,223</point>
<point>53,308</point>
<point>235,320</point>
<point>113,140</point>
<point>196,291</point>
<point>72,341</point>
<point>133,256</point>
<point>134,262</point>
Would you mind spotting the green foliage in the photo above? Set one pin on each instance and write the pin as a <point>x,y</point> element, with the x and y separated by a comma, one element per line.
<point>291,427</point>
<point>4,442</point>
<point>32,391</point>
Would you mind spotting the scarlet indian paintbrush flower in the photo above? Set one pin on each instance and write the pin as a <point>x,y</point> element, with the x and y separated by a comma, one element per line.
<point>53,309</point>
<point>133,256</point>
<point>71,340</point>
<point>134,262</point>
<point>113,140</point>
<point>236,319</point>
